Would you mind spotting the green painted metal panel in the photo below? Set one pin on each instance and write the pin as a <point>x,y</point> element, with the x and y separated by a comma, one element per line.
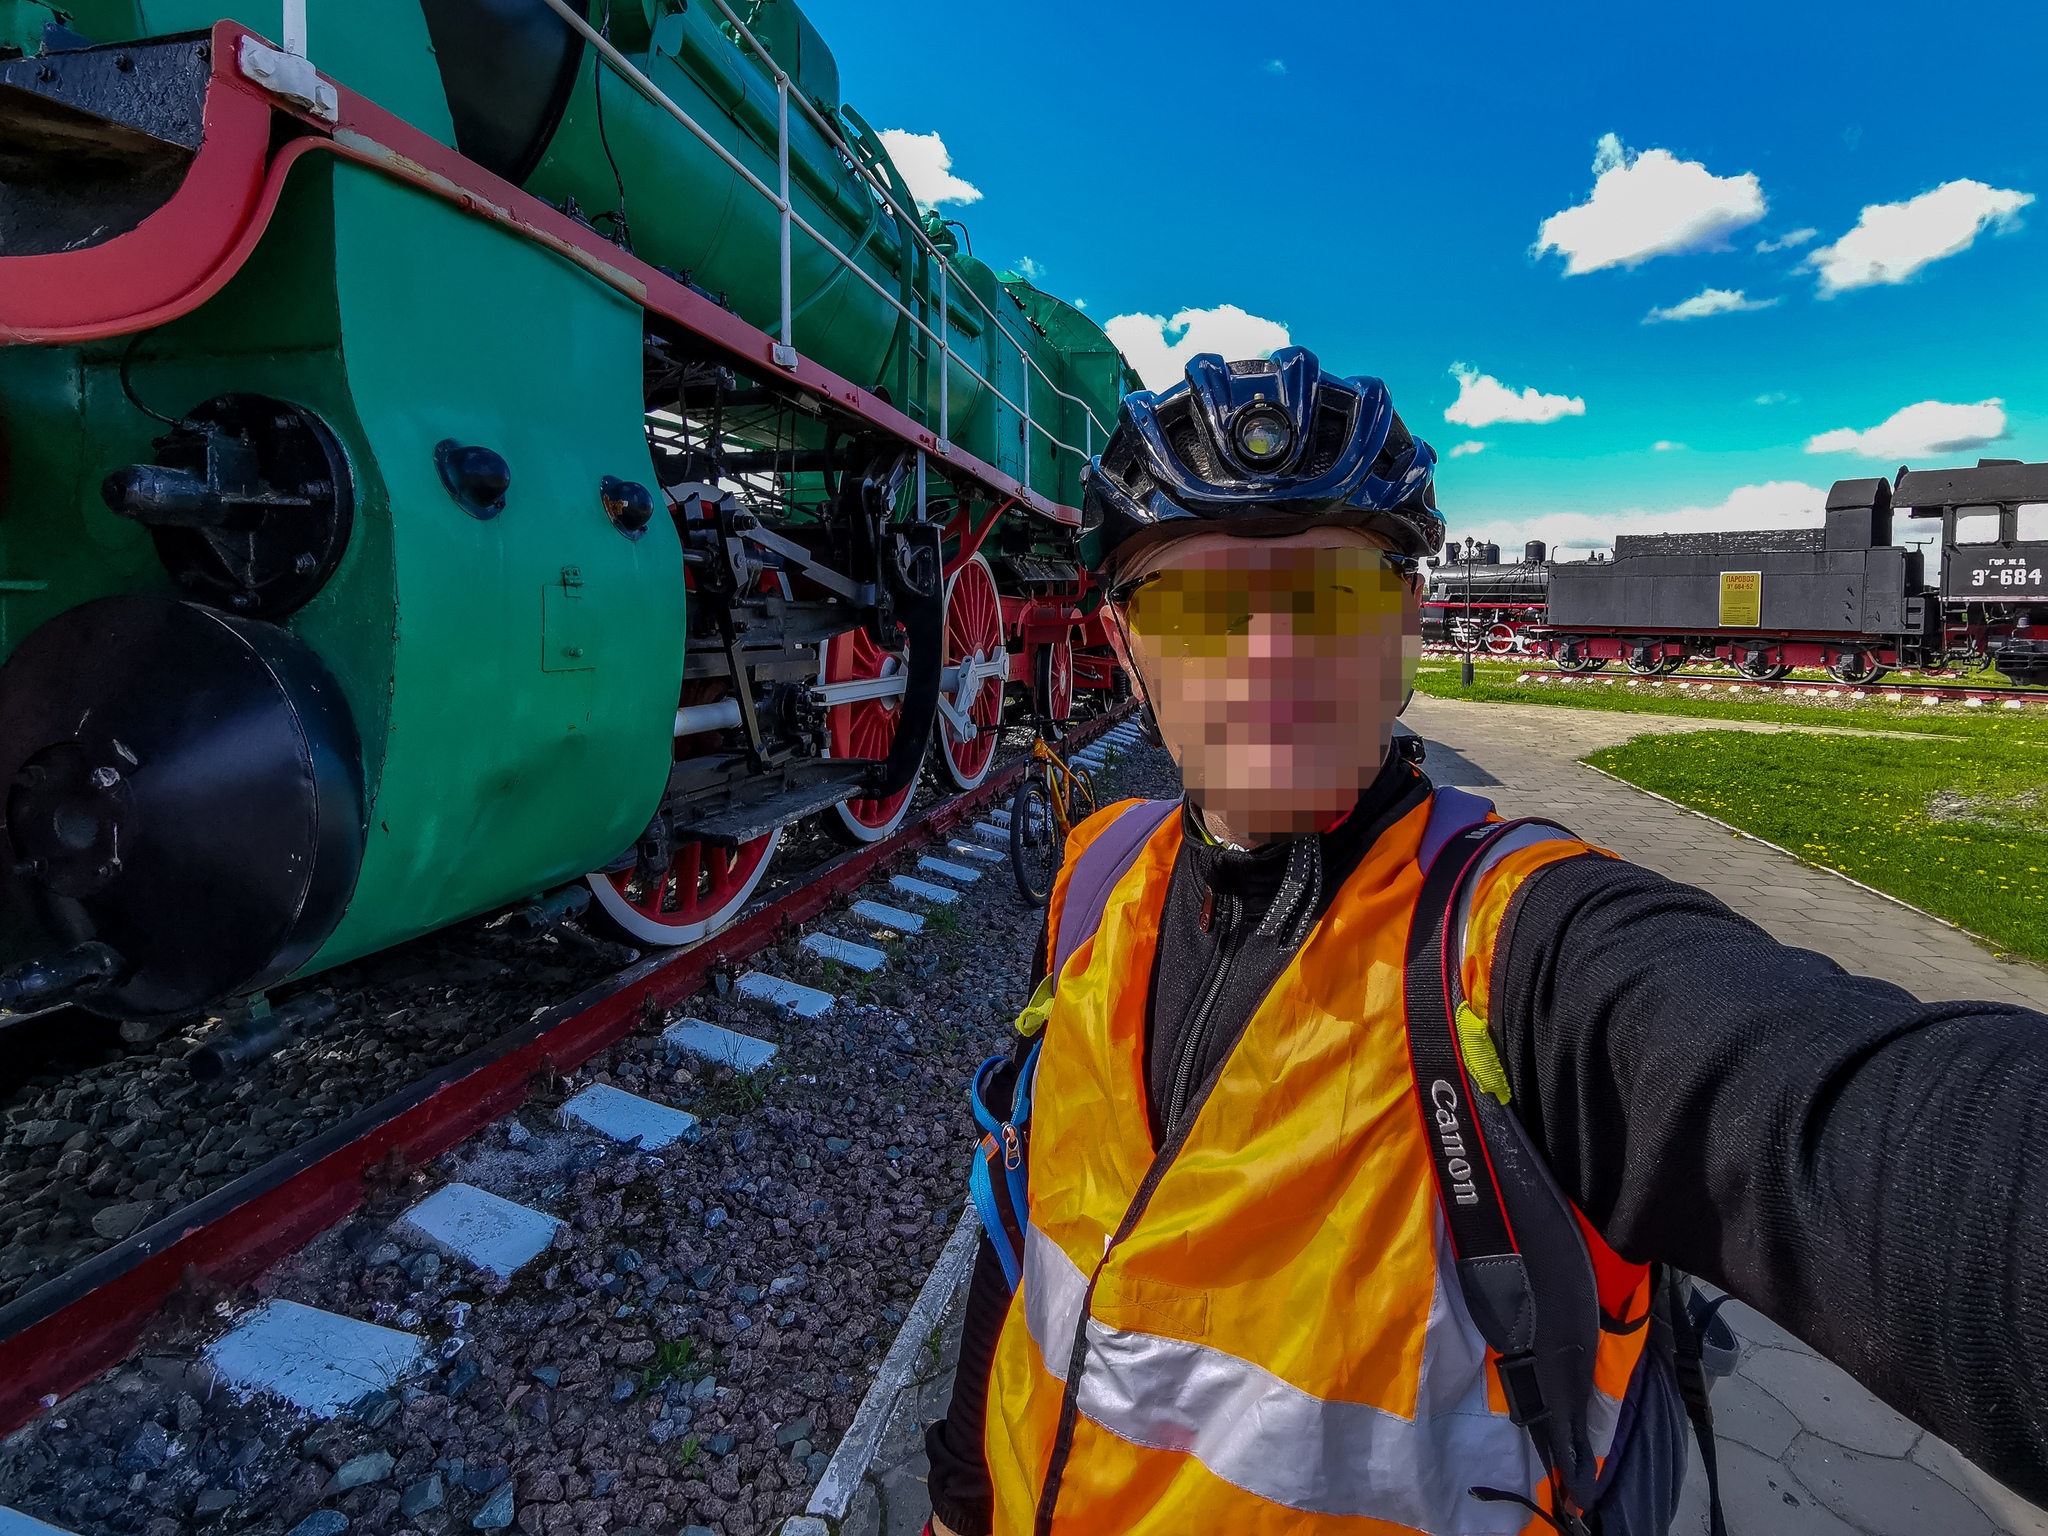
<point>502,775</point>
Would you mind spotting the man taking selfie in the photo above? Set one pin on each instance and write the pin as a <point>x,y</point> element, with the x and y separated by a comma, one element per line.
<point>1354,1137</point>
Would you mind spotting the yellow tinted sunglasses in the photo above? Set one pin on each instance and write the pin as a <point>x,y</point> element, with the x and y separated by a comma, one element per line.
<point>1346,591</point>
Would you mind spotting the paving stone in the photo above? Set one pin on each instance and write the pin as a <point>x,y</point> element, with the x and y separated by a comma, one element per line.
<point>483,1230</point>
<point>1829,1402</point>
<point>319,1362</point>
<point>1760,1498</point>
<point>14,1523</point>
<point>960,872</point>
<point>785,997</point>
<point>860,956</point>
<point>923,890</point>
<point>714,1043</point>
<point>2007,1510</point>
<point>887,917</point>
<point>977,852</point>
<point>1884,1496</point>
<point>1745,1412</point>
<point>625,1116</point>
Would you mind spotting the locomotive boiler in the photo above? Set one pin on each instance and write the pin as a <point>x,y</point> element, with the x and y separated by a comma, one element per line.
<point>450,449</point>
<point>1843,597</point>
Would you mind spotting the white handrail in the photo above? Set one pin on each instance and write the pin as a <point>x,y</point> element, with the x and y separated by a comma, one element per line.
<point>654,93</point>
<point>904,219</point>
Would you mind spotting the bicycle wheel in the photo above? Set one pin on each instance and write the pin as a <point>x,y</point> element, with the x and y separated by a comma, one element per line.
<point>1036,847</point>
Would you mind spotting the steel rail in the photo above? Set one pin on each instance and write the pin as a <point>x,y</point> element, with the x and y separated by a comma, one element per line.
<point>904,219</point>
<point>71,1329</point>
<point>1995,693</point>
<point>634,76</point>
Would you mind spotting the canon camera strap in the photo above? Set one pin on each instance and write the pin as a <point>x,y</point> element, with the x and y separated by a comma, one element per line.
<point>1491,1273</point>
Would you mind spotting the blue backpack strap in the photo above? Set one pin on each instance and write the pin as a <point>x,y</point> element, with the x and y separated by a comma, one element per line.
<point>1096,872</point>
<point>1003,1206</point>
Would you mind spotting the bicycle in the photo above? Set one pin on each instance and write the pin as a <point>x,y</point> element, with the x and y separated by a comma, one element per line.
<point>1043,812</point>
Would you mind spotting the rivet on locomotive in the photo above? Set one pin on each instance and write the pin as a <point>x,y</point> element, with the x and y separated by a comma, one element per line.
<point>1842,597</point>
<point>426,483</point>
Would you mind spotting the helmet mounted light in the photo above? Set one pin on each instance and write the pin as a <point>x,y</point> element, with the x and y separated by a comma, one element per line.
<point>1263,435</point>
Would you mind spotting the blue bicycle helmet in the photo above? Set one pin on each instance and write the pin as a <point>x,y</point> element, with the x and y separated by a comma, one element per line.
<point>1264,441</point>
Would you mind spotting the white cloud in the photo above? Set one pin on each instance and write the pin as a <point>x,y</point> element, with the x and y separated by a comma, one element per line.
<point>1276,66</point>
<point>1472,445</point>
<point>1709,301</point>
<point>1649,204</point>
<point>1029,270</point>
<point>1570,535</point>
<point>1665,445</point>
<point>927,168</point>
<point>1892,241</point>
<point>1159,348</point>
<point>1775,397</point>
<point>1928,429</point>
<point>1080,303</point>
<point>1483,400</point>
<point>1787,241</point>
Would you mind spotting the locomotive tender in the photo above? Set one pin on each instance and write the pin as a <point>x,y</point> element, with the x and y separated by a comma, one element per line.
<point>1842,597</point>
<point>450,449</point>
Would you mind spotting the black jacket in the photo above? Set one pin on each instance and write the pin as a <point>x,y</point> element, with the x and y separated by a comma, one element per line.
<point>1866,1169</point>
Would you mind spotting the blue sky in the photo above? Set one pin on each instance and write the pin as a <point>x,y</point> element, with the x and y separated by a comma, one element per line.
<point>1375,183</point>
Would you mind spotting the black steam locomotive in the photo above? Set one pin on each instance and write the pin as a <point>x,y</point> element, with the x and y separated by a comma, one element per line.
<point>1842,597</point>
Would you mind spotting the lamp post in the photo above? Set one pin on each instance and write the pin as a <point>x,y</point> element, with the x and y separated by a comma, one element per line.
<point>1465,665</point>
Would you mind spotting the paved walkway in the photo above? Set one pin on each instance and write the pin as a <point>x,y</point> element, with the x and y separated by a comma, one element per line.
<point>1525,758</point>
<point>1804,1450</point>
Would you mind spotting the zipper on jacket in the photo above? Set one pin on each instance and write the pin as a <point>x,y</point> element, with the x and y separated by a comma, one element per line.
<point>1230,910</point>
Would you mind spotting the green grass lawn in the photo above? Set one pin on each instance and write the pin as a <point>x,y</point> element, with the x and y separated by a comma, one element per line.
<point>1958,826</point>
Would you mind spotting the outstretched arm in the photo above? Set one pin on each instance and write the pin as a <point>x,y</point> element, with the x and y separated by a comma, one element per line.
<point>1868,1170</point>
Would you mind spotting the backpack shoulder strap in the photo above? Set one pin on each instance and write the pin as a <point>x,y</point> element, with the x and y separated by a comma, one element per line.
<point>1498,1287</point>
<point>1095,873</point>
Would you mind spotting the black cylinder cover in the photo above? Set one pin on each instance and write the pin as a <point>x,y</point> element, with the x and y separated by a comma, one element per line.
<point>508,67</point>
<point>184,786</point>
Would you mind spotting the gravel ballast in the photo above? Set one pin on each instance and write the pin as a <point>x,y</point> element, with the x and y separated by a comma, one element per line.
<point>687,1354</point>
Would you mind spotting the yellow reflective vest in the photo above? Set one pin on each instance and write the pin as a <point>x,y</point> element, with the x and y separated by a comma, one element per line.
<point>1258,1328</point>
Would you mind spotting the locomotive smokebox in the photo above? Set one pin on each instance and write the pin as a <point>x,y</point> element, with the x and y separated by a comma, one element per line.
<point>183,786</point>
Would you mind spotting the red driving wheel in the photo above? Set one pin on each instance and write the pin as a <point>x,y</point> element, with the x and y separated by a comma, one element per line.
<point>703,889</point>
<point>863,728</point>
<point>974,633</point>
<point>1053,674</point>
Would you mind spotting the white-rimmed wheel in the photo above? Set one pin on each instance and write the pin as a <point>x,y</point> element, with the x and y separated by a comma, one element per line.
<point>703,889</point>
<point>863,728</point>
<point>971,701</point>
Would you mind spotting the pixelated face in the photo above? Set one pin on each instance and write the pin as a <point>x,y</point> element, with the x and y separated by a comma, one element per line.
<point>1275,668</point>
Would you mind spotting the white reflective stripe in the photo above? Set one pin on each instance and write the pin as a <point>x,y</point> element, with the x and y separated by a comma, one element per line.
<point>1521,837</point>
<point>1277,1442</point>
<point>1603,1417</point>
<point>1054,1291</point>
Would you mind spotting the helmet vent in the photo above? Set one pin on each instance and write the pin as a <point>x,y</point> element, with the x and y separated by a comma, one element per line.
<point>1331,432</point>
<point>1393,452</point>
<point>1192,451</point>
<point>1252,365</point>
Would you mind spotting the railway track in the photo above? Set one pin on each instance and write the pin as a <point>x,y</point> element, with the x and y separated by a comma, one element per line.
<point>816,1282</point>
<point>2004,695</point>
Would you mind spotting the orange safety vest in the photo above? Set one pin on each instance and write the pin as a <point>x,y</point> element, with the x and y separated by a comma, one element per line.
<point>1261,1329</point>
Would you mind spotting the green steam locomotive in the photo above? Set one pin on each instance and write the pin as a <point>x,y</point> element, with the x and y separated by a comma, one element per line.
<point>452,449</point>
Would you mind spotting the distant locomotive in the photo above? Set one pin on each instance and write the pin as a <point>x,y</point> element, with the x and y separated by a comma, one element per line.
<point>475,453</point>
<point>1842,597</point>
<point>1482,604</point>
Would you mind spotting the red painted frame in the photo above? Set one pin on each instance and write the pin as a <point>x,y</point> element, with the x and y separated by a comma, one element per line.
<point>185,252</point>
